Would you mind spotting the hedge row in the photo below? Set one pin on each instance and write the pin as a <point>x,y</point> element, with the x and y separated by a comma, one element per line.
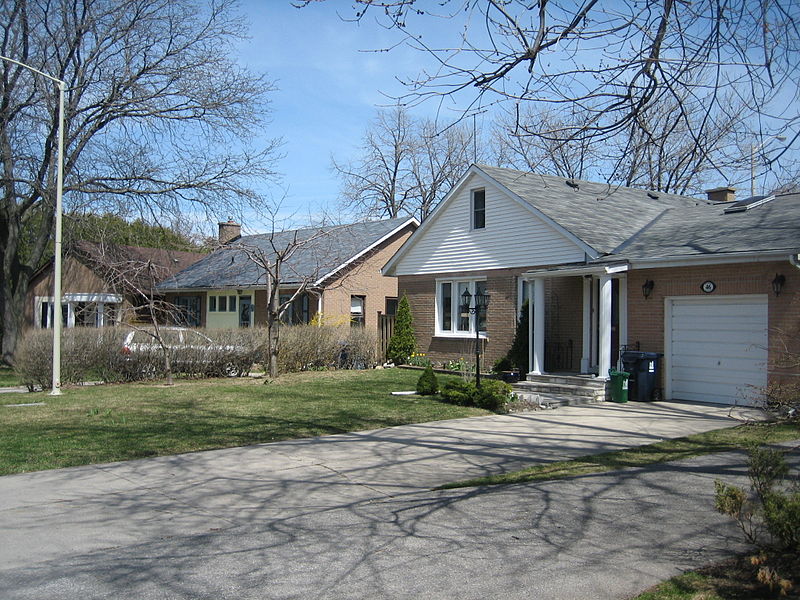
<point>90,354</point>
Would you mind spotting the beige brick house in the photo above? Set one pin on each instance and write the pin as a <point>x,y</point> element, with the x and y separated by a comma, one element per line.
<point>332,271</point>
<point>711,284</point>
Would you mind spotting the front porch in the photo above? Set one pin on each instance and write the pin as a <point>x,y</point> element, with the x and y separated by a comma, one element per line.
<point>577,324</point>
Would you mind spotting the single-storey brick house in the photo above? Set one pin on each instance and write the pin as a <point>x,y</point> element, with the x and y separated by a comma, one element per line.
<point>99,283</point>
<point>338,267</point>
<point>713,284</point>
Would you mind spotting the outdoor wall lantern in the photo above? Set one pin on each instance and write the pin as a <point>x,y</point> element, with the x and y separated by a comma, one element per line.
<point>647,288</point>
<point>481,304</point>
<point>777,283</point>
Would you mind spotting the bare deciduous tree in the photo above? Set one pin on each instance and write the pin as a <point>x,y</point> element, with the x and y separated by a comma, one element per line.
<point>611,62</point>
<point>158,117</point>
<point>658,151</point>
<point>379,183</point>
<point>406,165</point>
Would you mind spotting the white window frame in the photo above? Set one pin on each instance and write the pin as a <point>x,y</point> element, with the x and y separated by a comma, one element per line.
<point>69,300</point>
<point>455,304</point>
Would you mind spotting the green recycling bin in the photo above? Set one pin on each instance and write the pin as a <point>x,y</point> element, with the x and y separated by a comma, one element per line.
<point>619,385</point>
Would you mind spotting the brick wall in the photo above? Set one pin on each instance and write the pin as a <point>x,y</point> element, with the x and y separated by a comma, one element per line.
<point>501,285</point>
<point>563,323</point>
<point>364,279</point>
<point>646,317</point>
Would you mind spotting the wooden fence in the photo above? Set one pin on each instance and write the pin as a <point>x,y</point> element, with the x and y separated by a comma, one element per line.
<point>385,331</point>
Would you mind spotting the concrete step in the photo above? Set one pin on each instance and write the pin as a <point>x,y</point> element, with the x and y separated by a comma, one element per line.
<point>560,389</point>
<point>550,401</point>
<point>567,380</point>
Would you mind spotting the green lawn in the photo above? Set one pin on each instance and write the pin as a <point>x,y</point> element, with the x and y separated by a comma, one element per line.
<point>720,440</point>
<point>122,422</point>
<point>8,378</point>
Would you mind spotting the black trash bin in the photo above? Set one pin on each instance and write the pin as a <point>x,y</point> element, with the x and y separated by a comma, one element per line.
<point>644,370</point>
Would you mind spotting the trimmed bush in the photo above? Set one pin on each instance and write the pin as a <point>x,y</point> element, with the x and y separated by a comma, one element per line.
<point>492,395</point>
<point>402,344</point>
<point>459,392</point>
<point>427,384</point>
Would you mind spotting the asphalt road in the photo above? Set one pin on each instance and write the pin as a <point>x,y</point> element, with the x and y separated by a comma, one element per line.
<point>353,516</point>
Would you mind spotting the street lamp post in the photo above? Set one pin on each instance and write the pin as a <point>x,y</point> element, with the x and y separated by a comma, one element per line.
<point>753,150</point>
<point>56,385</point>
<point>481,304</point>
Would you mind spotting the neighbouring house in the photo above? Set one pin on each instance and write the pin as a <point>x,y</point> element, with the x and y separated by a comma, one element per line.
<point>101,283</point>
<point>332,271</point>
<point>712,284</point>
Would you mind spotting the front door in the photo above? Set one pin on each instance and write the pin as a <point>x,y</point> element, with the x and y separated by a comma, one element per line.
<point>245,312</point>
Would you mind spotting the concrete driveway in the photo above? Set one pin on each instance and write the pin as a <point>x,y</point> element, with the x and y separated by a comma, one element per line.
<point>353,516</point>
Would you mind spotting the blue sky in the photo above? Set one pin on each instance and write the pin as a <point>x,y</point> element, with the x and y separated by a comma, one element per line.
<point>328,90</point>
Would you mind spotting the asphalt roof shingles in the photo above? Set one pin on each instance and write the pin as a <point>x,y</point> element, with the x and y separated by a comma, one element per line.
<point>320,250</point>
<point>635,224</point>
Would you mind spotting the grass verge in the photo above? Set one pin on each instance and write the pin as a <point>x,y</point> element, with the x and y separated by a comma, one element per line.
<point>710,442</point>
<point>106,423</point>
<point>8,378</point>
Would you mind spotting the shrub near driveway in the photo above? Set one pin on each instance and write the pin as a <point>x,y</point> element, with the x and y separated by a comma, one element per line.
<point>122,422</point>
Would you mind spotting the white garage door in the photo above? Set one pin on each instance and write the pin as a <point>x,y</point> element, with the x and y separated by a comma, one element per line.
<point>716,348</point>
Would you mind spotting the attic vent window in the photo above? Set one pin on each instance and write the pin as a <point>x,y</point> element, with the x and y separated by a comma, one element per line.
<point>652,195</point>
<point>748,203</point>
<point>573,184</point>
<point>478,209</point>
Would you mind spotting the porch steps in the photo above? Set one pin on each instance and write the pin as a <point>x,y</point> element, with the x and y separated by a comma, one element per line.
<point>552,391</point>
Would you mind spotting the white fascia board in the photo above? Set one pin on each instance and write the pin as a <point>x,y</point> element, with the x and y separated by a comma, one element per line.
<point>577,271</point>
<point>355,257</point>
<point>715,259</point>
<point>389,267</point>
<point>592,252</point>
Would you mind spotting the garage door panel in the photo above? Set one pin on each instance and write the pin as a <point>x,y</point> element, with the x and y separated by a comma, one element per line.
<point>729,367</point>
<point>695,374</point>
<point>718,349</point>
<point>707,348</point>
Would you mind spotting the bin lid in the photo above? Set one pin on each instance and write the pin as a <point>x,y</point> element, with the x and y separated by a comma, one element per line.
<point>631,355</point>
<point>652,355</point>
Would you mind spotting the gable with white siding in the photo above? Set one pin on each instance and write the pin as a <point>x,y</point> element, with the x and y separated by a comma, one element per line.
<point>514,236</point>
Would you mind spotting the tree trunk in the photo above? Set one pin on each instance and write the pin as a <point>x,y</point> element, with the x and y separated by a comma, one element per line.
<point>13,306</point>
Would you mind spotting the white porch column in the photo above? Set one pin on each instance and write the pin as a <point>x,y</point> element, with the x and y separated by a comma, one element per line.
<point>586,345</point>
<point>604,350</point>
<point>537,322</point>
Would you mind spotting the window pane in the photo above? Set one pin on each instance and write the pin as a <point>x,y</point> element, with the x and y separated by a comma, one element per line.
<point>223,303</point>
<point>391,306</point>
<point>480,288</point>
<point>463,318</point>
<point>231,303</point>
<point>479,209</point>
<point>446,304</point>
<point>212,304</point>
<point>45,314</point>
<point>357,311</point>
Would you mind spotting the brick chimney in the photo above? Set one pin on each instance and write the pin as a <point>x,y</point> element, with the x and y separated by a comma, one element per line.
<point>721,194</point>
<point>229,231</point>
